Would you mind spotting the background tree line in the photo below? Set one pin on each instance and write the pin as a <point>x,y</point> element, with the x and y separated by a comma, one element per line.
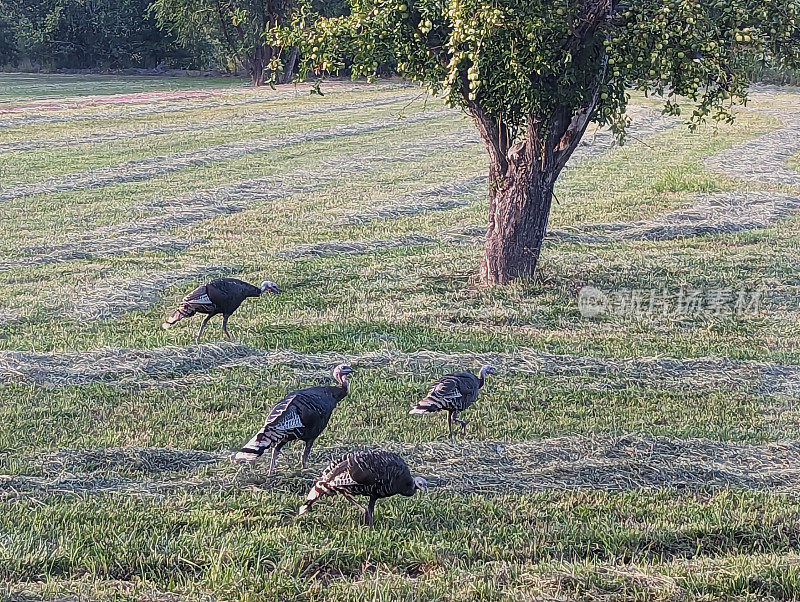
<point>229,35</point>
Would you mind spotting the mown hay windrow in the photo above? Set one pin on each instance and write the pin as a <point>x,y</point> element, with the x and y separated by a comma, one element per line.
<point>597,462</point>
<point>89,248</point>
<point>352,247</point>
<point>113,135</point>
<point>465,191</point>
<point>144,367</point>
<point>171,106</point>
<point>10,316</point>
<point>141,169</point>
<point>764,159</point>
<point>113,297</point>
<point>724,213</point>
<point>458,193</point>
<point>146,233</point>
<point>643,123</point>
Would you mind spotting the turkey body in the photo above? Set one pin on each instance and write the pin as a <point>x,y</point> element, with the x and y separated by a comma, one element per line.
<point>453,393</point>
<point>221,296</point>
<point>376,474</point>
<point>301,415</point>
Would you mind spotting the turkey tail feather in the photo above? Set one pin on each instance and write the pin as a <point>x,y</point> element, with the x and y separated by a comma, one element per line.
<point>178,315</point>
<point>253,449</point>
<point>427,405</point>
<point>317,491</point>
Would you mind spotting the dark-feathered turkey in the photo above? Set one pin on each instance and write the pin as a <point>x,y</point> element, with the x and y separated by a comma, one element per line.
<point>221,296</point>
<point>376,474</point>
<point>302,415</point>
<point>453,393</point>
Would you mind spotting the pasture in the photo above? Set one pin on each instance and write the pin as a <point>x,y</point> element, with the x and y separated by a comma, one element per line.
<point>649,452</point>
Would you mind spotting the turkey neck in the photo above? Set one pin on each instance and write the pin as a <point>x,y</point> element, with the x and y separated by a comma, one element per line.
<point>344,385</point>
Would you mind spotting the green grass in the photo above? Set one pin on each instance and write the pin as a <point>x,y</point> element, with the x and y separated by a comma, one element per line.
<point>81,516</point>
<point>22,87</point>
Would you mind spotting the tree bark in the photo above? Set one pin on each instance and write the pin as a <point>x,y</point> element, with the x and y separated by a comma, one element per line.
<point>288,68</point>
<point>518,214</point>
<point>521,179</point>
<point>255,67</point>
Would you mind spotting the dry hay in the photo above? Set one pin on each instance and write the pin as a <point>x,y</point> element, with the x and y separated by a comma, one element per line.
<point>113,135</point>
<point>146,233</point>
<point>142,169</point>
<point>91,248</point>
<point>79,102</point>
<point>113,297</point>
<point>643,122</point>
<point>128,460</point>
<point>765,158</point>
<point>464,191</point>
<point>458,193</point>
<point>151,367</point>
<point>11,316</point>
<point>725,213</point>
<point>596,462</point>
<point>178,107</point>
<point>352,247</point>
<point>608,463</point>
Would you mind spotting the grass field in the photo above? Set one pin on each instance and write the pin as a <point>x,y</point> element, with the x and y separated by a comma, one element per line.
<point>639,454</point>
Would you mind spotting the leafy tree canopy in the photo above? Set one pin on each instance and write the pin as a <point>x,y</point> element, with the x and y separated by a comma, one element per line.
<point>240,26</point>
<point>517,58</point>
<point>534,73</point>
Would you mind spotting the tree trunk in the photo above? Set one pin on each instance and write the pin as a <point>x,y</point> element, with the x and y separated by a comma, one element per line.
<point>518,214</point>
<point>288,68</point>
<point>522,175</point>
<point>256,68</point>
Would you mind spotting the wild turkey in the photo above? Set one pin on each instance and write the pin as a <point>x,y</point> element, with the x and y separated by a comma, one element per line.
<point>222,296</point>
<point>375,473</point>
<point>453,393</point>
<point>300,415</point>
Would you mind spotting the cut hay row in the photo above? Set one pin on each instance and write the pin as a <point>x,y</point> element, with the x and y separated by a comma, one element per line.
<point>458,193</point>
<point>764,159</point>
<point>145,367</point>
<point>10,316</point>
<point>464,191</point>
<point>643,123</point>
<point>80,102</point>
<point>147,233</point>
<point>113,297</point>
<point>352,247</point>
<point>597,462</point>
<point>177,107</point>
<point>115,135</point>
<point>145,169</point>
<point>725,213</point>
<point>88,248</point>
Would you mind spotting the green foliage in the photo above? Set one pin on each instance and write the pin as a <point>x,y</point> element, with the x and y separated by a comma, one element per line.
<point>79,34</point>
<point>242,27</point>
<point>517,59</point>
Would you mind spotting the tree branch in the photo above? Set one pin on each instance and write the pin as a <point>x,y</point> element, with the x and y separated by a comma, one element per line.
<point>490,132</point>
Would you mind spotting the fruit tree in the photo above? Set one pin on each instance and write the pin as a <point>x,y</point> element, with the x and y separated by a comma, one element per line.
<point>534,73</point>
